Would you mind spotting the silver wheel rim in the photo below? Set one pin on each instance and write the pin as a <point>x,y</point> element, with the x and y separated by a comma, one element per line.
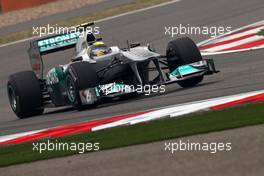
<point>71,89</point>
<point>12,98</point>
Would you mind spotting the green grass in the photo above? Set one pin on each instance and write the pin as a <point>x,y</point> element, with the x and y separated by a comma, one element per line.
<point>198,123</point>
<point>261,32</point>
<point>138,4</point>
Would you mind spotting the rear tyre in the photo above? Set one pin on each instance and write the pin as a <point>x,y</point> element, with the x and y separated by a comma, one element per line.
<point>24,94</point>
<point>180,52</point>
<point>80,76</point>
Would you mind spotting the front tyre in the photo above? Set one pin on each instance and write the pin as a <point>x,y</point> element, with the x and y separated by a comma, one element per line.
<point>24,94</point>
<point>180,52</point>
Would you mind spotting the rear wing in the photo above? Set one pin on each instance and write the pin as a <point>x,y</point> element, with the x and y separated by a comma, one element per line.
<point>54,43</point>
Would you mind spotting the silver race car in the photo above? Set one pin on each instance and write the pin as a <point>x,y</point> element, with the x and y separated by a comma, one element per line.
<point>97,71</point>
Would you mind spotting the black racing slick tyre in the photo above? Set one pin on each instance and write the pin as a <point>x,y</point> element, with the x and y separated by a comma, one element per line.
<point>80,76</point>
<point>180,52</point>
<point>25,95</point>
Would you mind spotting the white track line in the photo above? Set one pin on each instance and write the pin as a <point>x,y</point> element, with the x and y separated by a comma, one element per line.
<point>168,111</point>
<point>215,40</point>
<point>231,51</point>
<point>234,36</point>
<point>105,19</point>
<point>243,27</point>
<point>233,44</point>
<point>18,135</point>
<point>177,110</point>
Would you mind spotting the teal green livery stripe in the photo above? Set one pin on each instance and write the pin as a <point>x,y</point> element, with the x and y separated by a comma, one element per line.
<point>58,41</point>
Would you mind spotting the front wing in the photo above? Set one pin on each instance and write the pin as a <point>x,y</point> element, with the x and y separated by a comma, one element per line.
<point>184,72</point>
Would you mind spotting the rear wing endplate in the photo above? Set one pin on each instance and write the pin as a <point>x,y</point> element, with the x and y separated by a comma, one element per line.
<point>54,43</point>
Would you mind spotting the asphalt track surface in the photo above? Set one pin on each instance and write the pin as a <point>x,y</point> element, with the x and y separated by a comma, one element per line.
<point>240,72</point>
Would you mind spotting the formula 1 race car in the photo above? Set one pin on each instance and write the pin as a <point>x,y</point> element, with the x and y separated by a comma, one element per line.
<point>97,71</point>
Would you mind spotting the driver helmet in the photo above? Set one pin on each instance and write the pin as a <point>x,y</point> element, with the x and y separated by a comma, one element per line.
<point>98,49</point>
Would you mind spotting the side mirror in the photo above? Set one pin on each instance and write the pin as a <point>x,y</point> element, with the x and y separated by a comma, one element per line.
<point>151,47</point>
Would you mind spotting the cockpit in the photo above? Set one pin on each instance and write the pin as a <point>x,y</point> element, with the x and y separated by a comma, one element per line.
<point>98,49</point>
